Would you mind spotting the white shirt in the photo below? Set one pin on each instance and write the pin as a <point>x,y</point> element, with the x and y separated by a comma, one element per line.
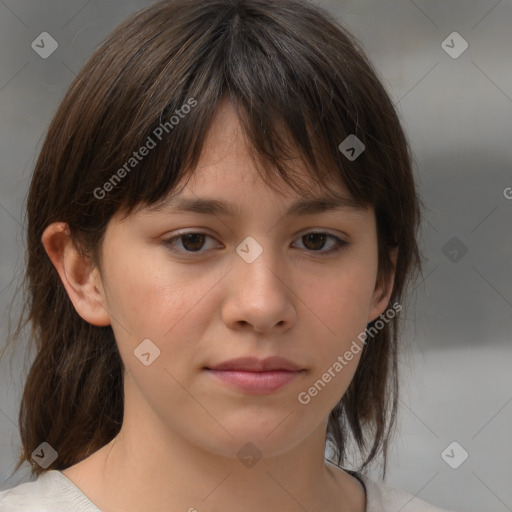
<point>54,492</point>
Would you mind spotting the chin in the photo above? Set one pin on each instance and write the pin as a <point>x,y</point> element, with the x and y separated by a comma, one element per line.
<point>255,441</point>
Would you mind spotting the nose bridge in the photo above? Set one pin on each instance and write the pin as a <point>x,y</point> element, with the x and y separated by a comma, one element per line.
<point>259,294</point>
<point>258,265</point>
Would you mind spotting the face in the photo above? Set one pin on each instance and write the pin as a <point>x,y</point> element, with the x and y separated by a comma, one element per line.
<point>204,289</point>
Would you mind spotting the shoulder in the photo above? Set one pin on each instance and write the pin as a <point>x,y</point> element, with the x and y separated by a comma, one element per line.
<point>383,498</point>
<point>51,492</point>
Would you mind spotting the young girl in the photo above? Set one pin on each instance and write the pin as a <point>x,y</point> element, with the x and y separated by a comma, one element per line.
<point>222,229</point>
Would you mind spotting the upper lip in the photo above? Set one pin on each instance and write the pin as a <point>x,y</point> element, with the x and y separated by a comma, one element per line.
<point>257,365</point>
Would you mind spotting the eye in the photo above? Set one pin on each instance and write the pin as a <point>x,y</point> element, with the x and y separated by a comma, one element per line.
<point>193,242</point>
<point>314,241</point>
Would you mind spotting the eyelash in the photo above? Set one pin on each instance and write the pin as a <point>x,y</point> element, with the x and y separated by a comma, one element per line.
<point>340,244</point>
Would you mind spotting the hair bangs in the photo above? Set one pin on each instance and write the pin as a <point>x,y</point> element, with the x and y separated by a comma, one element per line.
<point>290,120</point>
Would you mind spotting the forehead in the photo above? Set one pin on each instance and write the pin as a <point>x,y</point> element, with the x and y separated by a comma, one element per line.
<point>227,190</point>
<point>228,186</point>
<point>228,160</point>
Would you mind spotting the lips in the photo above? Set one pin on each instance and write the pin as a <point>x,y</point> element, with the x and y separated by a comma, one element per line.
<point>256,376</point>
<point>252,364</point>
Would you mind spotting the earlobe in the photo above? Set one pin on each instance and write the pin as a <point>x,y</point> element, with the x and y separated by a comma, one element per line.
<point>80,277</point>
<point>382,293</point>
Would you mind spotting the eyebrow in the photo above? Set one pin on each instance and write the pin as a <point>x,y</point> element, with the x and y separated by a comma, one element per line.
<point>300,207</point>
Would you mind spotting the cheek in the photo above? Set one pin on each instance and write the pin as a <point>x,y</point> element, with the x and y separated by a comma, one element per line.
<point>344,299</point>
<point>342,303</point>
<point>144,288</point>
<point>153,298</point>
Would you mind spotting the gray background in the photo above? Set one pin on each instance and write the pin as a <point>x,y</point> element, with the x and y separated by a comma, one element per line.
<point>457,383</point>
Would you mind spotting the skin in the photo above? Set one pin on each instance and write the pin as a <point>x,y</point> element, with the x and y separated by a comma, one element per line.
<point>182,429</point>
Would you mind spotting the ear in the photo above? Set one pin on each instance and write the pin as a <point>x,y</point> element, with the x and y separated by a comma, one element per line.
<point>383,290</point>
<point>81,279</point>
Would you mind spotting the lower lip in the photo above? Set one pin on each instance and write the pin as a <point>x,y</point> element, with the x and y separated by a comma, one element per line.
<point>259,383</point>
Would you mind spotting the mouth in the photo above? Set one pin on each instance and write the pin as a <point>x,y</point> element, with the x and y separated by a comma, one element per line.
<point>255,376</point>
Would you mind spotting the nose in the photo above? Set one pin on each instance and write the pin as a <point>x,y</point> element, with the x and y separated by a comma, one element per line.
<point>259,296</point>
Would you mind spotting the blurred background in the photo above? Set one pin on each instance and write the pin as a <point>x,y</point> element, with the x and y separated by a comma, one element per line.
<point>447,64</point>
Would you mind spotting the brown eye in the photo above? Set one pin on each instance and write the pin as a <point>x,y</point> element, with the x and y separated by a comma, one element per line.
<point>190,243</point>
<point>315,242</point>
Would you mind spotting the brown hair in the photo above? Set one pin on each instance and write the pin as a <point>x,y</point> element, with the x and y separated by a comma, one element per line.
<point>299,82</point>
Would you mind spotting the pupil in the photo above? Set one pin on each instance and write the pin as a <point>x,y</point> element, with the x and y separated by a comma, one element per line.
<point>319,236</point>
<point>194,238</point>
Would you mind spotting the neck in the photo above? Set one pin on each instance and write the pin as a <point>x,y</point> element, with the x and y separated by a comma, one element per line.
<point>164,471</point>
